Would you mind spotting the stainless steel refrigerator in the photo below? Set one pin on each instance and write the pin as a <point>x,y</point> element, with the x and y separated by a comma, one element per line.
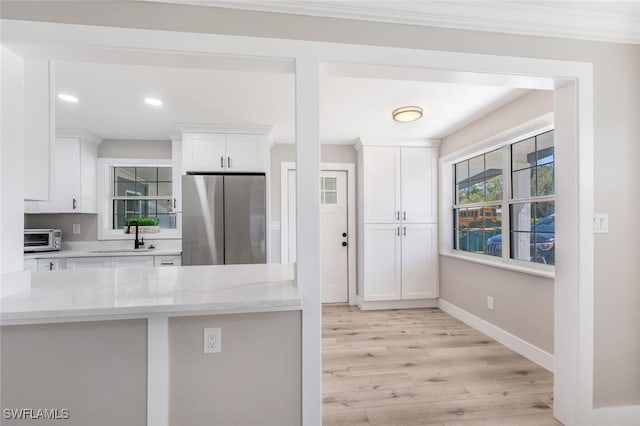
<point>223,219</point>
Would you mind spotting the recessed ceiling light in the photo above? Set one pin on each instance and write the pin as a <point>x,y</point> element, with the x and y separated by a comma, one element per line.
<point>153,101</point>
<point>407,113</point>
<point>67,98</point>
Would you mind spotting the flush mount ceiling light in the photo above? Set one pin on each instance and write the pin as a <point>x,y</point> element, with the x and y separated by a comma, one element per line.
<point>67,98</point>
<point>407,113</point>
<point>153,102</point>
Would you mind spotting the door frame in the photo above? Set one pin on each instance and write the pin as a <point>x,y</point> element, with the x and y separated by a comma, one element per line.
<point>350,169</point>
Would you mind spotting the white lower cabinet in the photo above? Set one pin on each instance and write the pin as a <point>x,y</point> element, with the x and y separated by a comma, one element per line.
<point>50,264</point>
<point>419,261</point>
<point>109,262</point>
<point>382,262</point>
<point>167,261</point>
<point>400,262</point>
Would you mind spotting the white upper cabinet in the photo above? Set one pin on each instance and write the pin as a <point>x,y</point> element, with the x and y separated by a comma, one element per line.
<point>220,151</point>
<point>419,176</point>
<point>398,184</point>
<point>381,169</point>
<point>204,152</point>
<point>74,180</point>
<point>39,131</point>
<point>245,153</point>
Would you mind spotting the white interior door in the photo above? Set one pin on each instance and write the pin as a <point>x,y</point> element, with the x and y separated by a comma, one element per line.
<point>333,230</point>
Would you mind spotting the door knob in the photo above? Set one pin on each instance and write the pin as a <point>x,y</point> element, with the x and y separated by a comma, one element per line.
<point>344,244</point>
<point>344,234</point>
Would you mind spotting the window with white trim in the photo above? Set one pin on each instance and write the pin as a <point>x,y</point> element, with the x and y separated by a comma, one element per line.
<point>141,192</point>
<point>507,192</point>
<point>136,187</point>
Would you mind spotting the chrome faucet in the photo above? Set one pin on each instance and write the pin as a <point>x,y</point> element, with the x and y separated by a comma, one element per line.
<point>138,242</point>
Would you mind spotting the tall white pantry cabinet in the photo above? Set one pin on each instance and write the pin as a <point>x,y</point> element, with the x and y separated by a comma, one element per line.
<point>397,220</point>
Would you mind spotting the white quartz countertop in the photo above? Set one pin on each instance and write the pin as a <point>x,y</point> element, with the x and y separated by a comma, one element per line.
<point>93,294</point>
<point>101,253</point>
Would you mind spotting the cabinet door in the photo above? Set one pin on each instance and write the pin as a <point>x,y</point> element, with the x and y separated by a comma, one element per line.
<point>204,152</point>
<point>167,260</point>
<point>419,183</point>
<point>131,261</point>
<point>65,194</point>
<point>50,264</point>
<point>39,139</point>
<point>245,153</point>
<point>382,274</point>
<point>88,262</point>
<point>381,172</point>
<point>419,261</point>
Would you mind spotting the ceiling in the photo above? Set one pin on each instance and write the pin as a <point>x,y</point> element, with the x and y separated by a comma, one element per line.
<point>353,104</point>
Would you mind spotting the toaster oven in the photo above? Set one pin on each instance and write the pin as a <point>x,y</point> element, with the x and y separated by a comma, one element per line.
<point>42,240</point>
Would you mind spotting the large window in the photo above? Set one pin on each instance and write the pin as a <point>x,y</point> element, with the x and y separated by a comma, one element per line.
<point>507,192</point>
<point>142,192</point>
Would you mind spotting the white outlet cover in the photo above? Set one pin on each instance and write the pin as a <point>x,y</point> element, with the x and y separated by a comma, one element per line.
<point>76,228</point>
<point>212,340</point>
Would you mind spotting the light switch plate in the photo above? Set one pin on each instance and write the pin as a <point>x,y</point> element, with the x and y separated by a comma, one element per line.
<point>600,223</point>
<point>76,228</point>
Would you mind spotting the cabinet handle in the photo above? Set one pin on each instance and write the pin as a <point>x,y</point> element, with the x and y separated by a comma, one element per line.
<point>51,266</point>
<point>75,203</point>
<point>167,263</point>
<point>174,203</point>
<point>229,162</point>
<point>404,215</point>
<point>404,231</point>
<point>222,161</point>
<point>398,214</point>
<point>398,231</point>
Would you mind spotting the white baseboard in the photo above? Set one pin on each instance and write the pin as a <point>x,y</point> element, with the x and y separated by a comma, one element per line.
<point>616,416</point>
<point>398,304</point>
<point>524,348</point>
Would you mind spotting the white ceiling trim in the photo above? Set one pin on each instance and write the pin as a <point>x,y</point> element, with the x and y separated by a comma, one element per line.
<point>565,19</point>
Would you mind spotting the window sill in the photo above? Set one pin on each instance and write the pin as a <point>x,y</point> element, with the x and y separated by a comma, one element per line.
<point>547,272</point>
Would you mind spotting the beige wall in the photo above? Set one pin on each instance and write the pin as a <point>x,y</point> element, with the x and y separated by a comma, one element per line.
<point>96,370</point>
<point>119,148</point>
<point>616,134</point>
<point>255,380</point>
<point>286,153</point>
<point>88,225</point>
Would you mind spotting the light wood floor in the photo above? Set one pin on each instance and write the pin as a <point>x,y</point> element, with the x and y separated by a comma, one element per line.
<point>424,367</point>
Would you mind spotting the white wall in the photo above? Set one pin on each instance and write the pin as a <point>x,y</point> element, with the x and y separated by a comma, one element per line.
<point>12,163</point>
<point>616,134</point>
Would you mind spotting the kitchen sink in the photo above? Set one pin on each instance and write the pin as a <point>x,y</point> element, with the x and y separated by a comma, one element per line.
<point>140,250</point>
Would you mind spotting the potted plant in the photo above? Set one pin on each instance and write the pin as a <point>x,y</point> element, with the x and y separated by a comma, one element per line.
<point>146,225</point>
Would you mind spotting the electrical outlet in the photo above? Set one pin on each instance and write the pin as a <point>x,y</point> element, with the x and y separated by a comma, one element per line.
<point>76,228</point>
<point>490,303</point>
<point>212,340</point>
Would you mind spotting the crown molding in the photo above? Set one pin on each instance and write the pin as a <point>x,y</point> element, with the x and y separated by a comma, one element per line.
<point>572,20</point>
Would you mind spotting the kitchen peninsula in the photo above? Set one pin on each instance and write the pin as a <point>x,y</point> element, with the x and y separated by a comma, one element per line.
<point>132,339</point>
